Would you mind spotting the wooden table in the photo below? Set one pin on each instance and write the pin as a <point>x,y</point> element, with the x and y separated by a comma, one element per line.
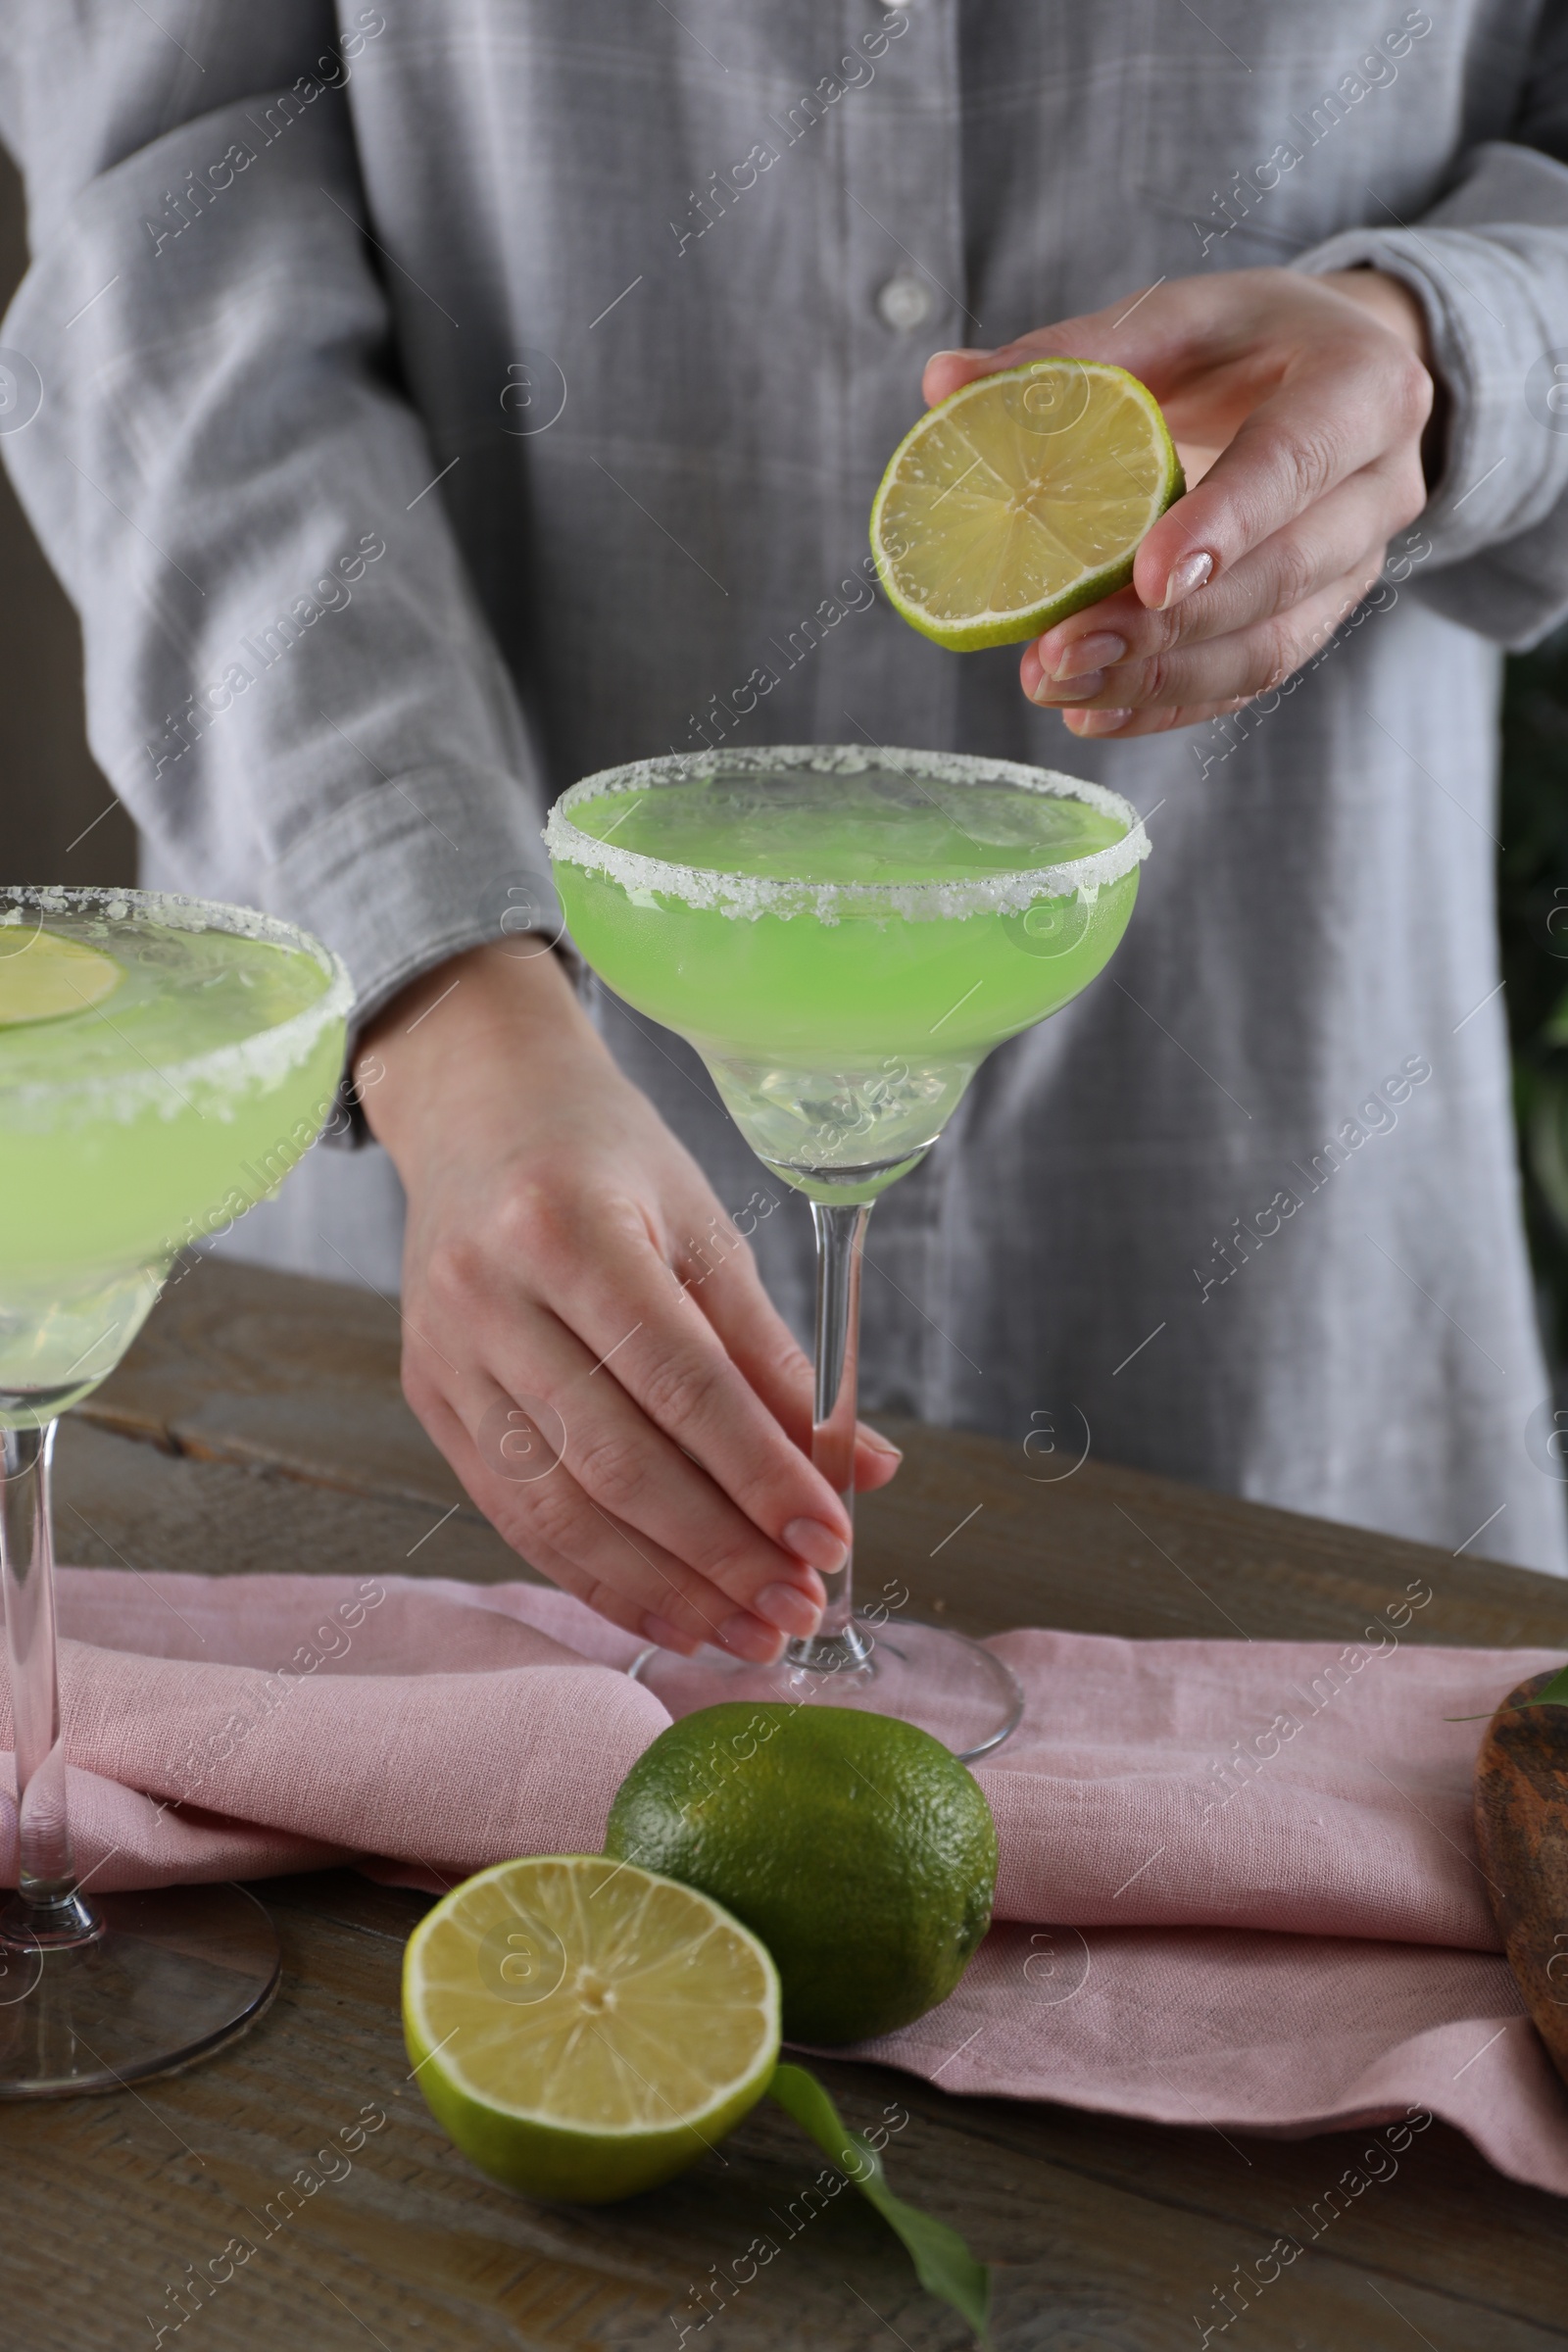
<point>258,1425</point>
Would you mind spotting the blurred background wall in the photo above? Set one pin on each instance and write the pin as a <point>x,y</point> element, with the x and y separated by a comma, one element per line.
<point>59,822</point>
<point>53,825</point>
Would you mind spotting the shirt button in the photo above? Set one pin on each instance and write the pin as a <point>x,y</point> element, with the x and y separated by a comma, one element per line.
<point>903,304</point>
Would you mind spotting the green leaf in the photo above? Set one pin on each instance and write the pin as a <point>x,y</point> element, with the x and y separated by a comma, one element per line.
<point>1546,1142</point>
<point>1555,1694</point>
<point>943,2262</point>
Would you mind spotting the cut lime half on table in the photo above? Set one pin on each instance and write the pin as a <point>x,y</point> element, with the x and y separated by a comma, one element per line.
<point>1021,498</point>
<point>583,2029</point>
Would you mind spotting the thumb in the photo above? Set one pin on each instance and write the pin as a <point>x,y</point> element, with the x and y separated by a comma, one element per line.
<point>1093,338</point>
<point>876,1458</point>
<point>948,372</point>
<point>1159,333</point>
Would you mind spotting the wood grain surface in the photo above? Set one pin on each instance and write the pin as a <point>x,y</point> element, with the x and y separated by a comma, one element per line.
<point>258,1425</point>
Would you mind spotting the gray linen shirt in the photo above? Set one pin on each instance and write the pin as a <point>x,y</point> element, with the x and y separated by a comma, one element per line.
<point>434,402</point>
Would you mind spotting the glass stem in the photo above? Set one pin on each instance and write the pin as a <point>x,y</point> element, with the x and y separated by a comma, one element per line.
<point>840,1240</point>
<point>47,1908</point>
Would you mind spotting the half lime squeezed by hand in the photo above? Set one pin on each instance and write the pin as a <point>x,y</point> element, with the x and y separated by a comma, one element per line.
<point>1021,498</point>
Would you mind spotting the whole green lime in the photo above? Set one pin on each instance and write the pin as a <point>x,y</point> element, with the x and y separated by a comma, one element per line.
<point>858,1848</point>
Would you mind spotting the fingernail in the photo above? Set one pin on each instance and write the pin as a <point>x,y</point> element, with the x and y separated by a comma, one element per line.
<point>1077,690</point>
<point>744,1637</point>
<point>958,355</point>
<point>1097,722</point>
<point>816,1545</point>
<point>1187,576</point>
<point>878,1444</point>
<point>788,1607</point>
<point>1098,650</point>
<point>667,1635</point>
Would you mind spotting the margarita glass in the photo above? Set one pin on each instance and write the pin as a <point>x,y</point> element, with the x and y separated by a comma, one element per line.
<point>163,1063</point>
<point>844,936</point>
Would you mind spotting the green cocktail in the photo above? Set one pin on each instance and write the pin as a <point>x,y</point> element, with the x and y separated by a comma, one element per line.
<point>156,1082</point>
<point>163,1065</point>
<point>844,962</point>
<point>844,936</point>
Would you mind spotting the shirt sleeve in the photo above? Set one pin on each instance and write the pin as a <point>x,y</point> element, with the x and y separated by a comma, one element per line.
<point>289,680</point>
<point>1490,264</point>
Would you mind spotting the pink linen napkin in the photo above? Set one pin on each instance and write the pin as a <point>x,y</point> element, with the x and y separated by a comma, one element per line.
<point>1239,1883</point>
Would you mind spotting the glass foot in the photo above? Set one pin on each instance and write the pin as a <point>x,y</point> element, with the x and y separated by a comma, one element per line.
<point>170,1975</point>
<point>940,1681</point>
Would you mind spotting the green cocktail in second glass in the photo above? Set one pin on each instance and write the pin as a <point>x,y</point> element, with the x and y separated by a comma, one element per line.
<point>844,936</point>
<point>163,1065</point>
<point>156,1082</point>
